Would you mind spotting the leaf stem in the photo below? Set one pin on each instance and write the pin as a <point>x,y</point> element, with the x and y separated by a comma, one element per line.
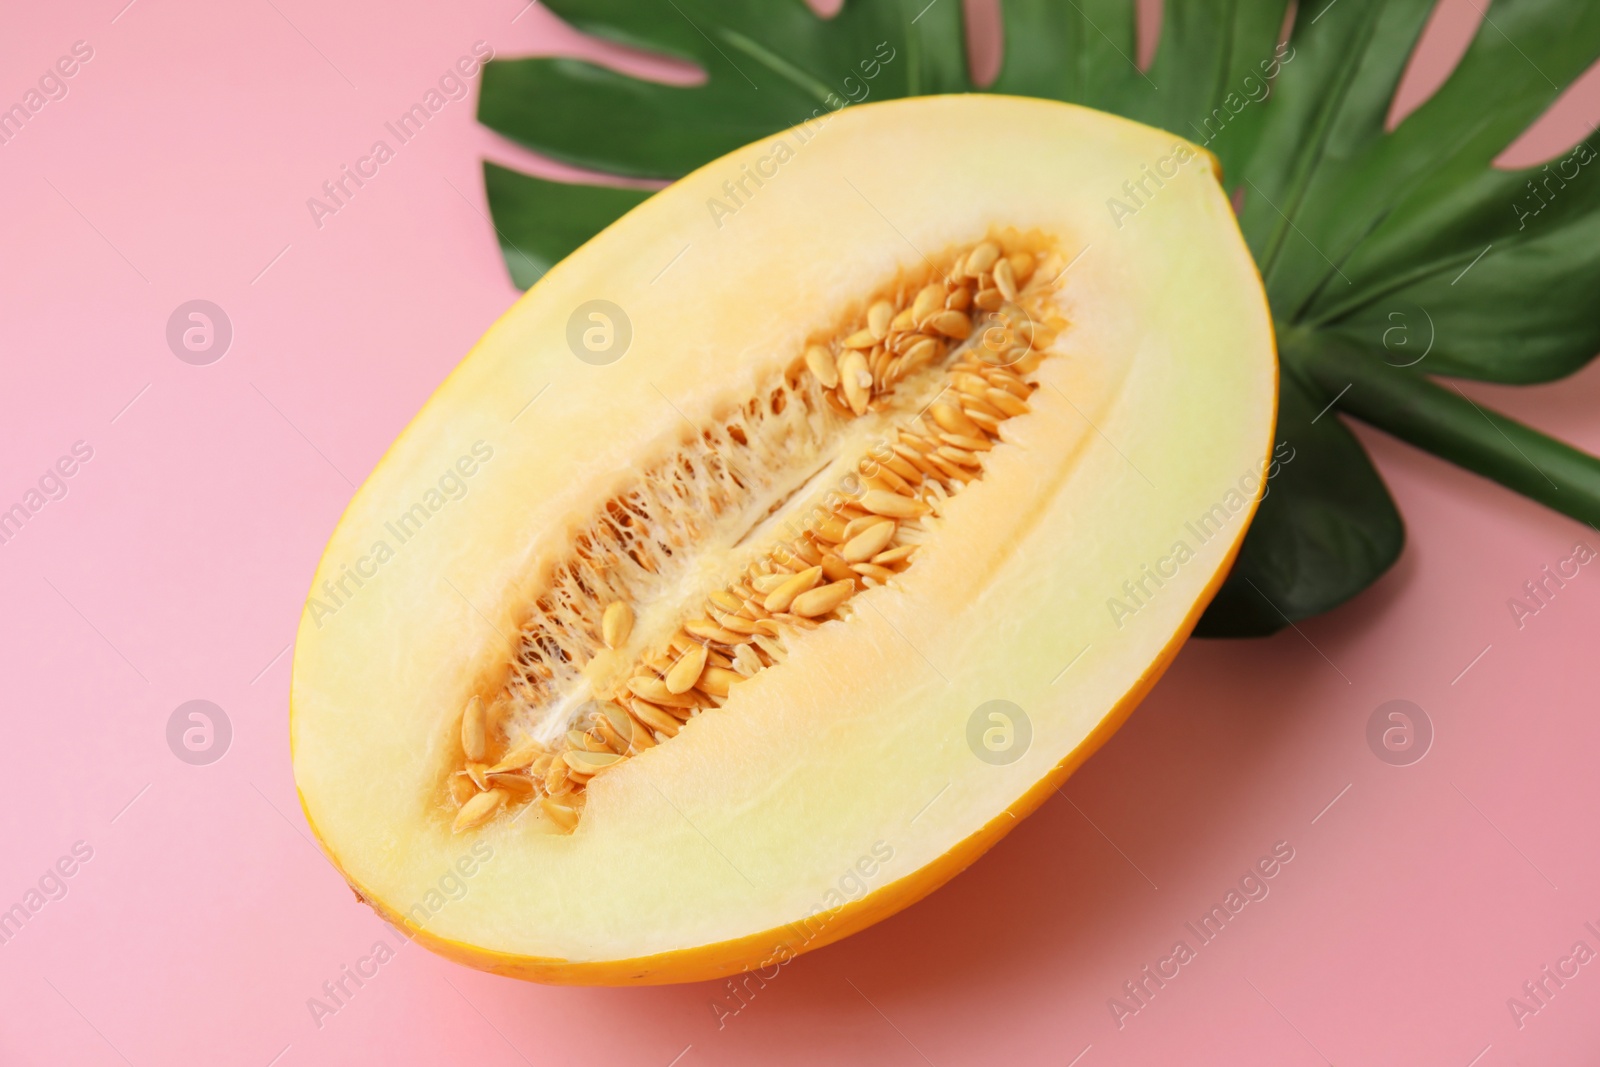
<point>1446,422</point>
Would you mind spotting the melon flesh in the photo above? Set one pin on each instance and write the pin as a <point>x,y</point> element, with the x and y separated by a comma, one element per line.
<point>839,785</point>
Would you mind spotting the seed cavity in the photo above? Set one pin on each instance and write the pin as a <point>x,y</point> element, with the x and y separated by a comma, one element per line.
<point>609,664</point>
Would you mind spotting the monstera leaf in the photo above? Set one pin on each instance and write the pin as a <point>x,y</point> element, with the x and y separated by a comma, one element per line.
<point>1387,255</point>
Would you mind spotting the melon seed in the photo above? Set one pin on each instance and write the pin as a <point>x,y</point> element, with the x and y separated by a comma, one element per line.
<point>616,624</point>
<point>648,687</point>
<point>462,788</point>
<point>738,624</point>
<point>520,784</point>
<point>922,351</point>
<point>746,662</point>
<point>479,810</point>
<point>1005,280</point>
<point>653,717</point>
<point>726,600</point>
<point>894,555</point>
<point>929,299</point>
<point>953,419</point>
<point>766,583</point>
<point>685,672</point>
<point>892,505</point>
<point>718,681</point>
<point>780,598</point>
<point>879,316</point>
<point>857,525</point>
<point>518,758</point>
<point>970,443</point>
<point>951,323</point>
<point>587,741</point>
<point>856,380</point>
<point>706,630</point>
<point>834,569</point>
<point>590,762</point>
<point>982,258</point>
<point>563,815</point>
<point>821,601</point>
<point>1006,402</point>
<point>474,729</point>
<point>820,362</point>
<point>869,542</point>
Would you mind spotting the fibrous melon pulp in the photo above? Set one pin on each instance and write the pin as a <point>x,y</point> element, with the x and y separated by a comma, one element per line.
<point>786,542</point>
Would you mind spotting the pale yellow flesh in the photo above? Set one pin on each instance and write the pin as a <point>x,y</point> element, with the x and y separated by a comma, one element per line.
<point>692,859</point>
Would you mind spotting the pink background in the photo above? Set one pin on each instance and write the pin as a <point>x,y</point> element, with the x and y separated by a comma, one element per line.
<point>178,167</point>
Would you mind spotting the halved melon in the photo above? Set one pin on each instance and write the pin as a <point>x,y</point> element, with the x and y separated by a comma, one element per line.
<point>787,542</point>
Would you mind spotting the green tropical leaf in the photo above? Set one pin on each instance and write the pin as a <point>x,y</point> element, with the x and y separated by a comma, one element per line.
<point>1079,52</point>
<point>540,222</point>
<point>1387,254</point>
<point>769,65</point>
<point>1215,56</point>
<point>1325,526</point>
